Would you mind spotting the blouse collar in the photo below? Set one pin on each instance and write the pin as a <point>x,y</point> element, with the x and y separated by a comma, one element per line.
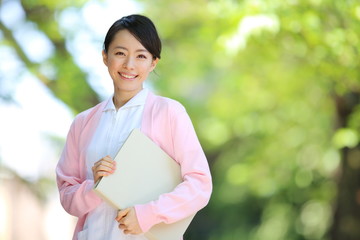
<point>138,100</point>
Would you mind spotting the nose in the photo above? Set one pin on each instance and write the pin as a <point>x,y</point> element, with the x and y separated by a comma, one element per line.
<point>129,63</point>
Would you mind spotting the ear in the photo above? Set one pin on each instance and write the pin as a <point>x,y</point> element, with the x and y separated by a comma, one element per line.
<point>105,57</point>
<point>154,63</point>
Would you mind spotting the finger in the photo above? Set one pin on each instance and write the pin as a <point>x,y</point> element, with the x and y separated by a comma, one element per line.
<point>104,165</point>
<point>107,158</point>
<point>103,173</point>
<point>109,163</point>
<point>103,168</point>
<point>121,218</point>
<point>122,214</point>
<point>122,226</point>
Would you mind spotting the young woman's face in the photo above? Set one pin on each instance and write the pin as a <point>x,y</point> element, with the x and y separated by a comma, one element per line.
<point>128,62</point>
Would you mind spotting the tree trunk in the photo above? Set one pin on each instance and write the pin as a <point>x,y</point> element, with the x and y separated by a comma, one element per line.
<point>346,219</point>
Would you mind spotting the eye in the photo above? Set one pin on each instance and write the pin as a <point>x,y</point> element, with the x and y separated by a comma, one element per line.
<point>120,53</point>
<point>142,56</point>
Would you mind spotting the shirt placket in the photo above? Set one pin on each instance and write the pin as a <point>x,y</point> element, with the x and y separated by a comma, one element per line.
<point>110,139</point>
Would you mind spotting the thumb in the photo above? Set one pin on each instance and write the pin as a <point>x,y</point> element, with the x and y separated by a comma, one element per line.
<point>122,213</point>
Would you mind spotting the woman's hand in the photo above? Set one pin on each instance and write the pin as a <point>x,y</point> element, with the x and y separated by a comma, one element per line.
<point>103,167</point>
<point>128,221</point>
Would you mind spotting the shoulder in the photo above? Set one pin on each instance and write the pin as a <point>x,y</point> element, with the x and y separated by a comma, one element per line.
<point>85,116</point>
<point>166,104</point>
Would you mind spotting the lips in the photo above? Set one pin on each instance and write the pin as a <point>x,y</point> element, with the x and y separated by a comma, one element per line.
<point>128,76</point>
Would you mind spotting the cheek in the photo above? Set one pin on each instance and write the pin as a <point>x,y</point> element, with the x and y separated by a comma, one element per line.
<point>114,63</point>
<point>147,67</point>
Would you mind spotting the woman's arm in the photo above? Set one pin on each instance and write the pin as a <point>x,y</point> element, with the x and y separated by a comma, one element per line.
<point>76,193</point>
<point>195,190</point>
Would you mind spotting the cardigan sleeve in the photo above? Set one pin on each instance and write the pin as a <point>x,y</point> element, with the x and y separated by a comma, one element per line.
<point>75,190</point>
<point>194,192</point>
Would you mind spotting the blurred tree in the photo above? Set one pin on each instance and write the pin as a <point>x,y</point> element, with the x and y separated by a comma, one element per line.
<point>66,80</point>
<point>58,72</point>
<point>272,87</point>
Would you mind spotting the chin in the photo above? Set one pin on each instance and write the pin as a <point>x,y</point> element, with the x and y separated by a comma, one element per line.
<point>129,88</point>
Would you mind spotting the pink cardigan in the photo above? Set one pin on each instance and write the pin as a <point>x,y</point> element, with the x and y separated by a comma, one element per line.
<point>166,122</point>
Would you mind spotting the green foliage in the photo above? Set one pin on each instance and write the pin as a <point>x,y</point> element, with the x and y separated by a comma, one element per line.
<point>272,87</point>
<point>258,79</point>
<point>67,81</point>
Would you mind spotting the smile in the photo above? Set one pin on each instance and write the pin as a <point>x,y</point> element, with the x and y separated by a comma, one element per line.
<point>127,76</point>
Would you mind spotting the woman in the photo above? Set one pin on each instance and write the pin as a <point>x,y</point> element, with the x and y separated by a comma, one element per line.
<point>131,51</point>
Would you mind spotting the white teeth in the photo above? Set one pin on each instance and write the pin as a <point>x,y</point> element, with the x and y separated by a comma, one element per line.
<point>127,76</point>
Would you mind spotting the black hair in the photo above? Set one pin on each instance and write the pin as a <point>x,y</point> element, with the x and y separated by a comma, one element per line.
<point>142,28</point>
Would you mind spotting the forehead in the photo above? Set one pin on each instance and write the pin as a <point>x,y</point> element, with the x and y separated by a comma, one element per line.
<point>125,39</point>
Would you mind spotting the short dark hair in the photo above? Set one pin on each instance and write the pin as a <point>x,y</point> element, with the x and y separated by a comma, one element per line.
<point>142,28</point>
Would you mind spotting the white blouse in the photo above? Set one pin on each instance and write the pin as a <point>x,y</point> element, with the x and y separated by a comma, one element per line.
<point>113,129</point>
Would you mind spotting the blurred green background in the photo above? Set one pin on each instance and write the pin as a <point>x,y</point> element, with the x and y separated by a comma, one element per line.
<point>272,87</point>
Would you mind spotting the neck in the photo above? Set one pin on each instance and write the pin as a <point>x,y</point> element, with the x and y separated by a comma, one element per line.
<point>121,98</point>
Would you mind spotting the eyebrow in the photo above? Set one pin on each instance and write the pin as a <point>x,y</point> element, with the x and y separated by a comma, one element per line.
<point>138,50</point>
